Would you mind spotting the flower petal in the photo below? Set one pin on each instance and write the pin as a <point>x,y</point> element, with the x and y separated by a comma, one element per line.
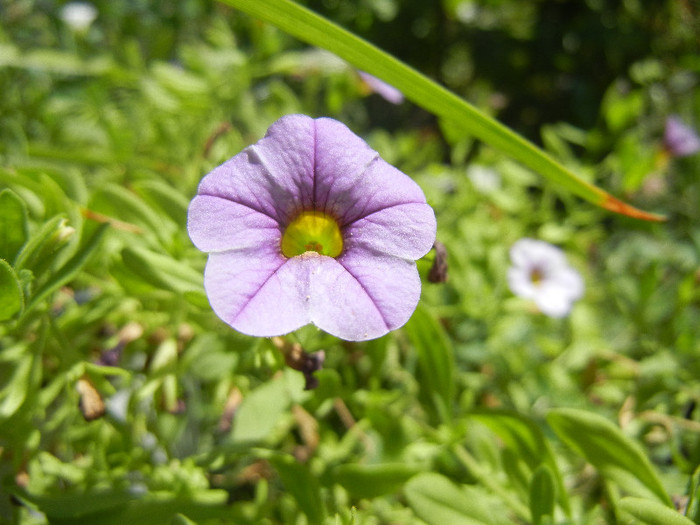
<point>273,176</point>
<point>352,181</point>
<point>245,291</point>
<point>216,224</point>
<point>394,298</point>
<point>403,230</point>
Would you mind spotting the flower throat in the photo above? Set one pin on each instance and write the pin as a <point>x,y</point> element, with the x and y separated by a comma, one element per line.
<point>312,231</point>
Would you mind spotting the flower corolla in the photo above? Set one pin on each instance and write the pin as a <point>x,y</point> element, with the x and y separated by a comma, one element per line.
<point>680,140</point>
<point>78,15</point>
<point>540,273</point>
<point>381,88</point>
<point>310,225</point>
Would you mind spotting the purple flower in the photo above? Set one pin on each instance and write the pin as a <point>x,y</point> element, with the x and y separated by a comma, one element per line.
<point>310,225</point>
<point>680,140</point>
<point>381,88</point>
<point>540,273</point>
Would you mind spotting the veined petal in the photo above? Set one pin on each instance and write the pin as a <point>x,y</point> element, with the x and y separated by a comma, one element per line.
<point>233,281</point>
<point>394,298</point>
<point>217,224</point>
<point>273,176</point>
<point>352,181</point>
<point>402,230</point>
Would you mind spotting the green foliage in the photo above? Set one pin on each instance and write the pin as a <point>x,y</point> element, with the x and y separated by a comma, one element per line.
<point>123,399</point>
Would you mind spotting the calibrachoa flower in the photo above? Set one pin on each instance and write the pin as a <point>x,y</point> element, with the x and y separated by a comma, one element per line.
<point>78,15</point>
<point>310,225</point>
<point>381,88</point>
<point>680,140</point>
<point>540,272</point>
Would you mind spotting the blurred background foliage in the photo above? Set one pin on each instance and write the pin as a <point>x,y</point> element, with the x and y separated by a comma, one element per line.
<point>123,399</point>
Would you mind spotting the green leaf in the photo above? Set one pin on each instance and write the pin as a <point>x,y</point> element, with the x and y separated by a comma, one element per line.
<point>15,391</point>
<point>542,494</point>
<point>117,508</point>
<point>69,270</point>
<point>40,245</point>
<point>315,30</point>
<point>435,358</point>
<point>11,297</point>
<point>604,446</point>
<point>693,509</point>
<point>261,411</point>
<point>371,481</point>
<point>301,484</point>
<point>438,501</point>
<point>162,270</point>
<point>14,227</point>
<point>651,512</point>
<point>527,441</point>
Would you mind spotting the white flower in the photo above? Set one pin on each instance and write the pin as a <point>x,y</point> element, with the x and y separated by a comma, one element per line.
<point>78,15</point>
<point>381,88</point>
<point>540,272</point>
<point>484,179</point>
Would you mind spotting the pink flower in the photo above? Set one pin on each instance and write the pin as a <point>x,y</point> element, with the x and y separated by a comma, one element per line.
<point>381,88</point>
<point>310,225</point>
<point>680,140</point>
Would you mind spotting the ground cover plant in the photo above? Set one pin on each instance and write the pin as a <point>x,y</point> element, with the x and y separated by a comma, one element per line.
<point>549,372</point>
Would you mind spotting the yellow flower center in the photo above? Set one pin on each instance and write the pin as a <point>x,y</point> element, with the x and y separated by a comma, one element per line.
<point>312,231</point>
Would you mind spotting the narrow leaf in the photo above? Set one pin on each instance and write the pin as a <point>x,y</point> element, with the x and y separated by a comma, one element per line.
<point>13,224</point>
<point>11,298</point>
<point>438,501</point>
<point>651,512</point>
<point>435,358</point>
<point>69,270</point>
<point>371,481</point>
<point>162,270</point>
<point>604,446</point>
<point>315,30</point>
<point>527,441</point>
<point>542,494</point>
<point>302,485</point>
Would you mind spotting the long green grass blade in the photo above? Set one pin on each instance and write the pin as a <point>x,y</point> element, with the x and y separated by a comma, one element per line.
<point>316,30</point>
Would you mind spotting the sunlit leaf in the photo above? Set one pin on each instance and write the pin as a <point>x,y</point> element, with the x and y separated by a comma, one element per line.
<point>11,297</point>
<point>13,224</point>
<point>371,481</point>
<point>435,358</point>
<point>438,501</point>
<point>651,512</point>
<point>604,446</point>
<point>542,494</point>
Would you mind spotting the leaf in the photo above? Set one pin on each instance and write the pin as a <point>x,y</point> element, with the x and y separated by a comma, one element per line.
<point>604,446</point>
<point>301,484</point>
<point>15,391</point>
<point>371,481</point>
<point>13,224</point>
<point>693,509</point>
<point>315,30</point>
<point>435,358</point>
<point>438,501</point>
<point>11,297</point>
<point>162,270</point>
<point>527,441</point>
<point>542,494</point>
<point>651,512</point>
<point>69,270</point>
<point>38,248</point>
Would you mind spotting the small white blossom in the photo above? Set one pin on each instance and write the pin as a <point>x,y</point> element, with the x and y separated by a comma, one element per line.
<point>78,15</point>
<point>484,179</point>
<point>540,273</point>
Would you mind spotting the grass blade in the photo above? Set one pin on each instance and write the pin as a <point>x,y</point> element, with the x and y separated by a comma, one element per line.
<point>316,30</point>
